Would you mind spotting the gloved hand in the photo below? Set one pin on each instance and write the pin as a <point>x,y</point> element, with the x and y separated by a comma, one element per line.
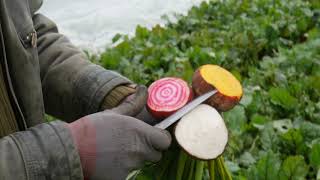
<point>129,100</point>
<point>112,145</point>
<point>134,103</point>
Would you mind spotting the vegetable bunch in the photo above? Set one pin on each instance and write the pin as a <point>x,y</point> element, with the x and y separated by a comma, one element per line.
<point>202,133</point>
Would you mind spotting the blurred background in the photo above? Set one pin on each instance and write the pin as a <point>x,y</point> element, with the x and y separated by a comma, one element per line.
<point>91,24</point>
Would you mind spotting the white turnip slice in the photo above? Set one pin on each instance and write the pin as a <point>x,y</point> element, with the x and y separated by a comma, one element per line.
<point>202,133</point>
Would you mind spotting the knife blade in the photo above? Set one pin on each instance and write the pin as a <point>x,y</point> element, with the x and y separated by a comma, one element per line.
<point>184,110</point>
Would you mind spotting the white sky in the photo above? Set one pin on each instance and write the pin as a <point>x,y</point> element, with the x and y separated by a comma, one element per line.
<point>91,24</point>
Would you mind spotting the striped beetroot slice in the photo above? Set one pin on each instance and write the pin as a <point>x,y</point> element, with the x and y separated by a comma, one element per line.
<point>167,95</point>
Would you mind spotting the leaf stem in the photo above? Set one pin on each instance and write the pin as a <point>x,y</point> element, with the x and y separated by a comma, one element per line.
<point>181,164</point>
<point>191,172</point>
<point>224,169</point>
<point>211,166</point>
<point>199,170</point>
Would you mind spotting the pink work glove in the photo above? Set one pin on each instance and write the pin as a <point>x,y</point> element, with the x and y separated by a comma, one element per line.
<point>112,145</point>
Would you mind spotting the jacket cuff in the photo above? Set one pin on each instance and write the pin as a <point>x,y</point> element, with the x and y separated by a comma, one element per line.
<point>94,84</point>
<point>49,152</point>
<point>116,96</point>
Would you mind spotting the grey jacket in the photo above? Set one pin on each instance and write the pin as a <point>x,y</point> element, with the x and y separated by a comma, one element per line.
<point>44,72</point>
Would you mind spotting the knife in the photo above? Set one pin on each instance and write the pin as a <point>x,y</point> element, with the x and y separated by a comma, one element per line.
<point>184,110</point>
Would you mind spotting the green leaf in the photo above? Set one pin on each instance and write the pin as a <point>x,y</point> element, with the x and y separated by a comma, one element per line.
<point>294,168</point>
<point>233,166</point>
<point>142,32</point>
<point>258,121</point>
<point>246,159</point>
<point>246,98</point>
<point>314,156</point>
<point>236,120</point>
<point>272,32</point>
<point>310,131</point>
<point>116,38</point>
<point>267,168</point>
<point>293,141</point>
<point>282,97</point>
<point>269,138</point>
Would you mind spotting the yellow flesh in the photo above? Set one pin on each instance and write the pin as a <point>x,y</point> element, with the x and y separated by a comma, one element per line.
<point>222,80</point>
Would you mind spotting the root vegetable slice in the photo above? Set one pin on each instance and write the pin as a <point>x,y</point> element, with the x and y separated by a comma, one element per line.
<point>167,95</point>
<point>202,133</point>
<point>209,77</point>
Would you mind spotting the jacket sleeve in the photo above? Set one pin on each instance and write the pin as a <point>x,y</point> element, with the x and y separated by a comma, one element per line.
<point>43,152</point>
<point>72,86</point>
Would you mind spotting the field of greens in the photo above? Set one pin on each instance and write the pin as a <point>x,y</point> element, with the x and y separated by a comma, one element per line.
<point>273,48</point>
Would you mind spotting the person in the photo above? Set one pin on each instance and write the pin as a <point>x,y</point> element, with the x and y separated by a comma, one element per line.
<point>42,72</point>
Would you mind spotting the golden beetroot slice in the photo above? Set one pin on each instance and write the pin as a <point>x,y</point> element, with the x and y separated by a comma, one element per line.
<point>167,95</point>
<point>210,77</point>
